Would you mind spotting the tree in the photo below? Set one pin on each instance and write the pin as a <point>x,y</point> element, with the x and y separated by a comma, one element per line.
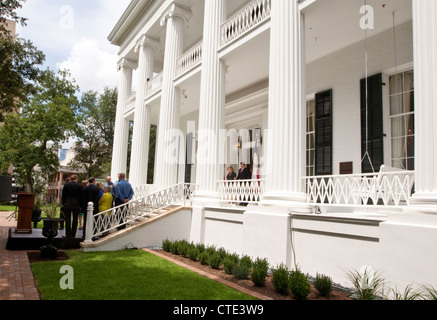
<point>19,62</point>
<point>93,150</point>
<point>8,10</point>
<point>30,140</point>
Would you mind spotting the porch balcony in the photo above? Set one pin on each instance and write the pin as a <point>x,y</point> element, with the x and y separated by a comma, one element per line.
<point>392,189</point>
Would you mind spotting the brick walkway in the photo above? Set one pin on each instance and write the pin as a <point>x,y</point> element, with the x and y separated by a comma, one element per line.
<point>16,278</point>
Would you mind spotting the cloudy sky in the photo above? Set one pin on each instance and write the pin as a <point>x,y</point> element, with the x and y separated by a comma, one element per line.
<point>73,35</point>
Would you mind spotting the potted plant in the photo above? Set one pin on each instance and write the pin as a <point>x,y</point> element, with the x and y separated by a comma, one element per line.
<point>50,230</point>
<point>36,212</point>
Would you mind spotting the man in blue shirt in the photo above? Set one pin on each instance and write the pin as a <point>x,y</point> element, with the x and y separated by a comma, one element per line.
<point>123,194</point>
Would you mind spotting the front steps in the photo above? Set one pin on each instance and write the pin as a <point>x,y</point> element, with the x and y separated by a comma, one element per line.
<point>172,222</point>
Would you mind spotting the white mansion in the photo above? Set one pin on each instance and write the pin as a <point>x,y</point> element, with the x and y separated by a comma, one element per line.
<point>331,104</point>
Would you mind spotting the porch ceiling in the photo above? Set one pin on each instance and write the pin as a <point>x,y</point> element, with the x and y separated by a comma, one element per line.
<point>335,24</point>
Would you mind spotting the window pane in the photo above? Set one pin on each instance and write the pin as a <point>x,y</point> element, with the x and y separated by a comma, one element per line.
<point>409,101</point>
<point>409,81</point>
<point>410,147</point>
<point>410,164</point>
<point>396,105</point>
<point>396,84</point>
<point>397,127</point>
<point>410,124</point>
<point>398,148</point>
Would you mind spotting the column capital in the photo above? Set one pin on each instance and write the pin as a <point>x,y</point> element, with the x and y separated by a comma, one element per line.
<point>148,41</point>
<point>176,10</point>
<point>126,63</point>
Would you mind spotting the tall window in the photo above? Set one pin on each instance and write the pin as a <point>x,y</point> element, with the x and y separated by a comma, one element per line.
<point>311,138</point>
<point>402,120</point>
<point>323,141</point>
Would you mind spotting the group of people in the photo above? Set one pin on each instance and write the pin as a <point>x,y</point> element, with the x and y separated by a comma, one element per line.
<point>76,197</point>
<point>243,174</point>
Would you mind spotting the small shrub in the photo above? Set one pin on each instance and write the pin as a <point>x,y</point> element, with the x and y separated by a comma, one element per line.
<point>200,248</point>
<point>211,250</point>
<point>166,245</point>
<point>246,260</point>
<point>183,247</point>
<point>323,285</point>
<point>259,272</point>
<point>193,253</point>
<point>280,279</point>
<point>229,264</point>
<point>204,258</point>
<point>241,271</point>
<point>300,287</point>
<point>223,253</point>
<point>174,247</point>
<point>215,260</point>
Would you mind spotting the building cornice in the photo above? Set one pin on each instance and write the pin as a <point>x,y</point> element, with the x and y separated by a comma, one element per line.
<point>135,10</point>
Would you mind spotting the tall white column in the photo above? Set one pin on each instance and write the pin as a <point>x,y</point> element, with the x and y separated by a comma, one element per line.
<point>121,131</point>
<point>212,102</point>
<point>425,71</point>
<point>141,133</point>
<point>166,168</point>
<point>286,140</point>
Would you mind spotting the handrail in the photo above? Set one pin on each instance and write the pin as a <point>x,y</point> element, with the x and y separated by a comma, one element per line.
<point>114,218</point>
<point>190,59</point>
<point>370,189</point>
<point>247,191</point>
<point>245,19</point>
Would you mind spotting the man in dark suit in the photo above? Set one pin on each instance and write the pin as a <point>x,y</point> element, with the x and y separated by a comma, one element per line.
<point>90,194</point>
<point>71,200</point>
<point>244,174</point>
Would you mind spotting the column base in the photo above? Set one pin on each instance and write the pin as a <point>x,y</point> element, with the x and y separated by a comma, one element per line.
<point>423,203</point>
<point>206,197</point>
<point>295,202</point>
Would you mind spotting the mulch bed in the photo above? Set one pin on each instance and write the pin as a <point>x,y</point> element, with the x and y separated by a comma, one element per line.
<point>268,290</point>
<point>35,256</point>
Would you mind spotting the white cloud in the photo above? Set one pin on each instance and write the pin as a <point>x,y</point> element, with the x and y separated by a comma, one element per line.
<point>73,35</point>
<point>92,67</point>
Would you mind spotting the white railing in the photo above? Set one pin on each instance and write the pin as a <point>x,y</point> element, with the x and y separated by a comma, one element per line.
<point>247,191</point>
<point>113,219</point>
<point>244,20</point>
<point>154,85</point>
<point>144,190</point>
<point>190,59</point>
<point>384,188</point>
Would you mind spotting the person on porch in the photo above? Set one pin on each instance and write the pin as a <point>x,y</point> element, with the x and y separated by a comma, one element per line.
<point>244,174</point>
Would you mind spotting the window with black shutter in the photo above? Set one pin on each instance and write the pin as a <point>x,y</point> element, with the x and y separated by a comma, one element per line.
<point>372,130</point>
<point>323,124</point>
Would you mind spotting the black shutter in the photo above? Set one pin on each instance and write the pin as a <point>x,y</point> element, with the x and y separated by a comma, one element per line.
<point>373,140</point>
<point>323,165</point>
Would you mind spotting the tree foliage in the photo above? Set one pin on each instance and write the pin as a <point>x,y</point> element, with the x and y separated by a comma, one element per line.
<point>93,150</point>
<point>30,139</point>
<point>19,62</point>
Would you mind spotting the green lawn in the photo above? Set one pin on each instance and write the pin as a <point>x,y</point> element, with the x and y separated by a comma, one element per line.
<point>128,275</point>
<point>6,208</point>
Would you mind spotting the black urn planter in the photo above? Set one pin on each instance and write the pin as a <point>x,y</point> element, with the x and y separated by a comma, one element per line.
<point>36,217</point>
<point>50,231</point>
